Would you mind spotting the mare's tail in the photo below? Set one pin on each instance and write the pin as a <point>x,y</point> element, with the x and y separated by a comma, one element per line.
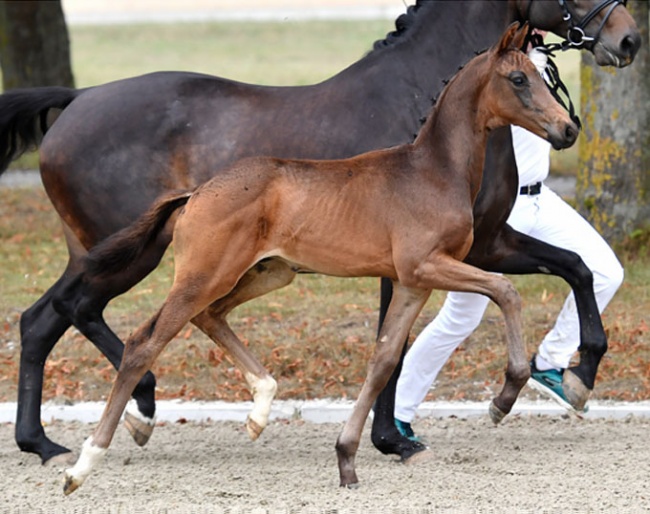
<point>23,118</point>
<point>123,248</point>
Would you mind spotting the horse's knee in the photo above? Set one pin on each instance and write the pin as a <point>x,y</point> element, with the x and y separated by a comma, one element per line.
<point>506,295</point>
<point>383,365</point>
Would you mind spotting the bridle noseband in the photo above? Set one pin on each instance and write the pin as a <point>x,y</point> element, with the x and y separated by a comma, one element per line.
<point>576,35</point>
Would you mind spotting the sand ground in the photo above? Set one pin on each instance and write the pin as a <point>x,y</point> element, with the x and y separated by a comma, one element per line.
<point>528,464</point>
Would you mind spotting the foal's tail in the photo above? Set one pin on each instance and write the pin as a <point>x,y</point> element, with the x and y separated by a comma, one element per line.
<point>123,248</point>
<point>23,118</point>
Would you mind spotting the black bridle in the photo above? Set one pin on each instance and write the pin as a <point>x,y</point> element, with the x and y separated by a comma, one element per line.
<point>576,35</point>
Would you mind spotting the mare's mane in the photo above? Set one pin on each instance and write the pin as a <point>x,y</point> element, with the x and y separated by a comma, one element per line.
<point>402,25</point>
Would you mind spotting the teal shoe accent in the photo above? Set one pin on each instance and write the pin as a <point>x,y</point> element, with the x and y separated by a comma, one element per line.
<point>549,384</point>
<point>406,430</point>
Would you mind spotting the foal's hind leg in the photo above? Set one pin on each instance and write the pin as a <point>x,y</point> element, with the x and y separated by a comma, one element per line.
<point>263,278</point>
<point>188,297</point>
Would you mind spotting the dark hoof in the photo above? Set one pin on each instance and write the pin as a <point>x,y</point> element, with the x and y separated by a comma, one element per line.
<point>139,427</point>
<point>496,414</point>
<point>66,459</point>
<point>423,455</point>
<point>409,449</point>
<point>575,391</point>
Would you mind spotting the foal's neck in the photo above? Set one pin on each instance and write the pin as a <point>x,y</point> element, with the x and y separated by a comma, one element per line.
<point>454,137</point>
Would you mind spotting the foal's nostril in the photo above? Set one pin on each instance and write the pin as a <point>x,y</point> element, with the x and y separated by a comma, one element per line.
<point>571,133</point>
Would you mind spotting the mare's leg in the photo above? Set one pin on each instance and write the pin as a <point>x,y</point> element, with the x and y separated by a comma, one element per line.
<point>516,253</point>
<point>83,301</point>
<point>384,435</point>
<point>40,329</point>
<point>263,278</point>
<point>404,308</point>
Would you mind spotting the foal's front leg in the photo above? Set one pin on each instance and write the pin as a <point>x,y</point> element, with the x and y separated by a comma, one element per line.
<point>444,272</point>
<point>516,253</point>
<point>404,308</point>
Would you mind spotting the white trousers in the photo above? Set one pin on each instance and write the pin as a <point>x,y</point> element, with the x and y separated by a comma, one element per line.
<point>550,219</point>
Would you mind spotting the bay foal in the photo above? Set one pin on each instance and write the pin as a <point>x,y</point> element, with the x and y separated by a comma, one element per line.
<point>284,216</point>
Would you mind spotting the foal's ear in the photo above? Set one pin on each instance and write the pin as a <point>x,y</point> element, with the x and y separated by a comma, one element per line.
<point>513,37</point>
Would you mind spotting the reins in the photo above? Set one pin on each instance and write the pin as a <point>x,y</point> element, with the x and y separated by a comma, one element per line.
<point>576,36</point>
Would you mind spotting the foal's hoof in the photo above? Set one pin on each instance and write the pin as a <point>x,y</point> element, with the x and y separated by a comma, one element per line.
<point>71,484</point>
<point>138,426</point>
<point>575,391</point>
<point>253,428</point>
<point>496,414</point>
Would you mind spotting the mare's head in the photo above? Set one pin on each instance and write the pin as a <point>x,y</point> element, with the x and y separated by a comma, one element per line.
<point>604,27</point>
<point>516,94</point>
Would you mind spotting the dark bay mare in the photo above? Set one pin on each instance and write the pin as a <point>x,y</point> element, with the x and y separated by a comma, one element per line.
<point>300,215</point>
<point>125,143</point>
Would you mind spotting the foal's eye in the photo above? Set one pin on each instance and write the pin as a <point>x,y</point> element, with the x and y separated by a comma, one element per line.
<point>518,78</point>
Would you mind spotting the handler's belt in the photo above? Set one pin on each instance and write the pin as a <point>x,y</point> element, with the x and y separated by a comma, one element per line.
<point>532,189</point>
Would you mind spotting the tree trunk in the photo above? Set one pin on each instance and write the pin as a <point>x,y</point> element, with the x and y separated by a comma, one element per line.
<point>613,183</point>
<point>34,45</point>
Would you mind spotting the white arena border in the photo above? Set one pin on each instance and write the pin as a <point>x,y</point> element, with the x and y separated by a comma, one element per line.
<point>318,411</point>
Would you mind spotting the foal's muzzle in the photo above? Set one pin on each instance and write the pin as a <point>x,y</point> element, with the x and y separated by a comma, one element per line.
<point>563,136</point>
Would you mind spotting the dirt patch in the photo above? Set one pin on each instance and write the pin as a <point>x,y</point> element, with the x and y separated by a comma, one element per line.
<point>529,464</point>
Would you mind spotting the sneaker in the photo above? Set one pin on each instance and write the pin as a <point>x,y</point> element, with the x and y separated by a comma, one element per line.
<point>549,384</point>
<point>405,429</point>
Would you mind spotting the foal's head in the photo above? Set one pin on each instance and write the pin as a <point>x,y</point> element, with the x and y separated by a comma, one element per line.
<point>516,94</point>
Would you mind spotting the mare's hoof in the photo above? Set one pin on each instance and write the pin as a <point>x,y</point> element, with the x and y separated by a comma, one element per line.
<point>139,427</point>
<point>66,459</point>
<point>254,429</point>
<point>496,414</point>
<point>424,455</point>
<point>71,484</point>
<point>575,391</point>
<point>351,486</point>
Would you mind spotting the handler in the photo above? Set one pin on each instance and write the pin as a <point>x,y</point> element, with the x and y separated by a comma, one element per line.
<point>539,213</point>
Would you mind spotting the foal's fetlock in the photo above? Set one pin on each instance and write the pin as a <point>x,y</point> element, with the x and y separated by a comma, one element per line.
<point>575,391</point>
<point>263,393</point>
<point>139,426</point>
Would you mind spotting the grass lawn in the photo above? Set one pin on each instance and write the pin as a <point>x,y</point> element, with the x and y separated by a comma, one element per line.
<point>316,335</point>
